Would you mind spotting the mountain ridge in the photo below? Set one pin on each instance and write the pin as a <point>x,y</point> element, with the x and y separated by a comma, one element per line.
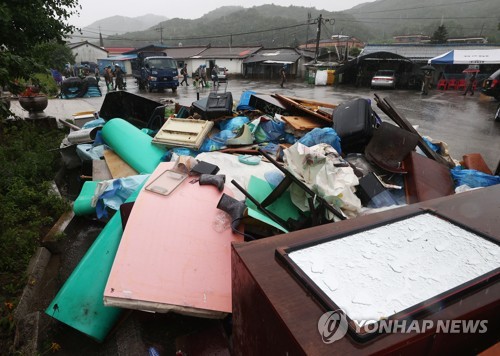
<point>275,26</point>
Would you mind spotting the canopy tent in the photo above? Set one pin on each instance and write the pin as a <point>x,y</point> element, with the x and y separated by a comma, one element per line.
<point>462,56</point>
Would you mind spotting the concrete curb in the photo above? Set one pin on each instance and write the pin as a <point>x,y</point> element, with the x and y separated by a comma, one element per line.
<point>27,324</point>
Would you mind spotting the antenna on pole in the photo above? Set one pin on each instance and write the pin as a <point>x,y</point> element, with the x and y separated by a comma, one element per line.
<point>160,29</point>
<point>101,41</point>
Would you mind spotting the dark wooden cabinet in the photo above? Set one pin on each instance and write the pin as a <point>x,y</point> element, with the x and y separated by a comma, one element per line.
<point>274,314</point>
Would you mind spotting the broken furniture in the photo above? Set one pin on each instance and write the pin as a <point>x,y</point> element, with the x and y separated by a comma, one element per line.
<point>267,104</point>
<point>389,146</point>
<point>137,110</point>
<point>291,312</point>
<point>426,179</point>
<point>307,107</point>
<point>390,110</point>
<point>175,253</point>
<point>183,132</point>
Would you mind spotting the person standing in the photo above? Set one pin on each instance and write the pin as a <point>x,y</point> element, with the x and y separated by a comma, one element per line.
<point>108,78</point>
<point>118,77</point>
<point>97,75</point>
<point>470,85</point>
<point>184,73</point>
<point>215,75</point>
<point>283,75</point>
<point>427,82</point>
<point>203,75</point>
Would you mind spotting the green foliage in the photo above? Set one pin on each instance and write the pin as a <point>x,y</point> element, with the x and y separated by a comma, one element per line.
<point>53,55</point>
<point>24,25</point>
<point>440,35</point>
<point>47,84</point>
<point>27,206</point>
<point>238,26</point>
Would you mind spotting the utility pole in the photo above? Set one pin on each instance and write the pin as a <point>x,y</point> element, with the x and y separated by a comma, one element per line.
<point>319,21</point>
<point>318,35</point>
<point>160,29</point>
<point>101,41</point>
<point>307,32</point>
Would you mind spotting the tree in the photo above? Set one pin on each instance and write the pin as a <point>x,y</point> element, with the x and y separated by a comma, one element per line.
<point>440,35</point>
<point>53,55</point>
<point>23,26</point>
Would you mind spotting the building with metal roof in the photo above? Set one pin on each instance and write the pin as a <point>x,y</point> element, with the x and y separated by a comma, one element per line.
<point>266,63</point>
<point>421,53</point>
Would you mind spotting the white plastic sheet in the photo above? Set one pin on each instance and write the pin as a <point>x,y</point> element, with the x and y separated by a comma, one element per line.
<point>321,77</point>
<point>322,169</point>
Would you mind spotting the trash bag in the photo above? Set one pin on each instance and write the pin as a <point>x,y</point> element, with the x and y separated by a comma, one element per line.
<point>325,135</point>
<point>268,130</point>
<point>473,178</point>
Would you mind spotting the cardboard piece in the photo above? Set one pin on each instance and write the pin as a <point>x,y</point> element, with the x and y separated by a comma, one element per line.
<point>301,123</point>
<point>117,166</point>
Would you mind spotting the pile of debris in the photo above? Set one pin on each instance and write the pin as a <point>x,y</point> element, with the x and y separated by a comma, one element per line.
<point>177,185</point>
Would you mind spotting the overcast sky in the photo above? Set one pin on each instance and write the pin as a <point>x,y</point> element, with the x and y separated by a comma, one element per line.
<point>93,10</point>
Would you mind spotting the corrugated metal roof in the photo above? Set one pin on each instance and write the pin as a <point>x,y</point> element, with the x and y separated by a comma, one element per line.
<point>184,52</point>
<point>228,52</point>
<point>288,55</point>
<point>421,52</point>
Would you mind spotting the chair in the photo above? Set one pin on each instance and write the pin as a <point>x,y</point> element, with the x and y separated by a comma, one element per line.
<point>452,84</point>
<point>442,84</point>
<point>461,84</point>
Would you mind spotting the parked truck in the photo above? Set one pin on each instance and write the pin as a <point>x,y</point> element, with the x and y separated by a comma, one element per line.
<point>155,70</point>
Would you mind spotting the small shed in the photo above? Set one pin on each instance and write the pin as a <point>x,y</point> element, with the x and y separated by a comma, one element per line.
<point>266,63</point>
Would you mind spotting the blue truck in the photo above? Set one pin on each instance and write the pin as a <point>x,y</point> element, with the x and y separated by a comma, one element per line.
<point>155,71</point>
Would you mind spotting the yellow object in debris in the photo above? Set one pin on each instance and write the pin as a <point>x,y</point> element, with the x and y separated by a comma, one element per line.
<point>330,79</point>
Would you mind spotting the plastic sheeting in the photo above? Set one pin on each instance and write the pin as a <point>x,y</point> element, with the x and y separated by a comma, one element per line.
<point>114,192</point>
<point>322,169</point>
<point>321,77</point>
<point>132,145</point>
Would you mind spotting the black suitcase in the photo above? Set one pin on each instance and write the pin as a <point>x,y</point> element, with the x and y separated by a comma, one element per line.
<point>354,122</point>
<point>217,105</point>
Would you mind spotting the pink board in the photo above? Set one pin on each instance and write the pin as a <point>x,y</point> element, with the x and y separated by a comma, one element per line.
<point>175,253</point>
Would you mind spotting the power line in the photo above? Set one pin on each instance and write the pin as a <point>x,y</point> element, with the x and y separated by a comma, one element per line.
<point>418,7</point>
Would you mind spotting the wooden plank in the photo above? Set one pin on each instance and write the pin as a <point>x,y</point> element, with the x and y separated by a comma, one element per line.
<point>302,122</point>
<point>117,166</point>
<point>100,170</point>
<point>313,102</point>
<point>303,108</point>
<point>175,253</point>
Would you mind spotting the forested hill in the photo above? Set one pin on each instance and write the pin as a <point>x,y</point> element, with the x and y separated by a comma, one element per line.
<point>276,26</point>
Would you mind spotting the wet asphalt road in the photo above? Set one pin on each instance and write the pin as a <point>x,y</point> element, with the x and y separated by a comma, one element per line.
<point>465,123</point>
